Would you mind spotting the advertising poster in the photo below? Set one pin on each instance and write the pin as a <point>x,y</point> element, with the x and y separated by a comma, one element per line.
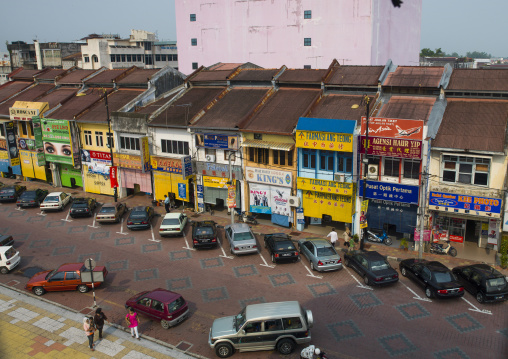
<point>363,214</point>
<point>426,235</point>
<point>493,232</point>
<point>39,145</point>
<point>12,147</point>
<point>393,128</point>
<point>145,155</point>
<point>96,161</point>
<point>260,199</point>
<point>219,141</point>
<point>56,136</point>
<point>182,190</point>
<point>113,176</point>
<point>505,218</point>
<point>280,201</point>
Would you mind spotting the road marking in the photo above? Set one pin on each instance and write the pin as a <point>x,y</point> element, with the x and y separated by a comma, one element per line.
<point>121,229</point>
<point>264,261</point>
<point>360,285</point>
<point>19,209</point>
<point>41,213</point>
<point>93,224</point>
<point>187,244</point>
<point>223,252</point>
<point>417,296</point>
<point>153,237</point>
<point>67,218</point>
<point>310,272</point>
<point>475,308</point>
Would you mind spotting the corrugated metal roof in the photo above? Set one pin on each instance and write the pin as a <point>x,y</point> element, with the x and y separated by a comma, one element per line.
<point>10,88</point>
<point>75,77</point>
<point>75,105</point>
<point>58,96</point>
<point>106,77</point>
<point>271,145</point>
<point>415,76</point>
<point>334,106</point>
<point>281,111</point>
<point>355,75</point>
<point>29,95</point>
<point>225,66</point>
<point>302,75</point>
<point>254,75</point>
<point>408,107</point>
<point>26,74</point>
<point>51,74</point>
<point>325,125</point>
<point>181,112</point>
<point>478,80</point>
<point>138,76</point>
<point>475,125</point>
<point>209,76</point>
<point>116,100</point>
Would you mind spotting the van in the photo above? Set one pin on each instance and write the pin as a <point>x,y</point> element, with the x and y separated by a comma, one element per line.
<point>265,326</point>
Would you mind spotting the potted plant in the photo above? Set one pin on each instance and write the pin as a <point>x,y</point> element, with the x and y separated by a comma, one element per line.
<point>404,244</point>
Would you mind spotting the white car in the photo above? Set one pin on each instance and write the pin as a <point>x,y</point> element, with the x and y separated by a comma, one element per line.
<point>56,201</point>
<point>173,224</point>
<point>9,259</point>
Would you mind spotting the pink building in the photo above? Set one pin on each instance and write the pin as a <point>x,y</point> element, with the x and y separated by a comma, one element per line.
<point>297,33</point>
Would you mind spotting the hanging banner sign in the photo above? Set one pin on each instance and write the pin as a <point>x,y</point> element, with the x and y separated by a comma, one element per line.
<point>393,128</point>
<point>113,176</point>
<point>342,142</point>
<point>392,147</point>
<point>363,214</point>
<point>343,188</point>
<point>39,144</point>
<point>187,167</point>
<point>12,147</point>
<point>145,155</point>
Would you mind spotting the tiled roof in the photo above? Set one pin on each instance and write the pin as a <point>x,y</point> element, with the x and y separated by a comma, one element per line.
<point>75,77</point>
<point>116,100</point>
<point>408,107</point>
<point>76,105</point>
<point>478,80</point>
<point>475,125</point>
<point>254,75</point>
<point>231,109</point>
<point>138,76</point>
<point>105,77</point>
<point>415,76</point>
<point>208,76</point>
<point>281,111</point>
<point>12,87</point>
<point>26,74</point>
<point>51,74</point>
<point>302,76</point>
<point>29,95</point>
<point>225,66</point>
<point>180,114</point>
<point>338,107</point>
<point>355,75</point>
<point>58,96</point>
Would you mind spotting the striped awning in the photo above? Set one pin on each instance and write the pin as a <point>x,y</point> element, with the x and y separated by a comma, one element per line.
<point>271,145</point>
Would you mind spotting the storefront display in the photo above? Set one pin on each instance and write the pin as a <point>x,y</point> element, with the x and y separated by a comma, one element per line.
<point>401,215</point>
<point>132,179</point>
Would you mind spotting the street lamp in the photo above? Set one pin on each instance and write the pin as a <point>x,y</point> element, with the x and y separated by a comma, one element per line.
<point>365,102</point>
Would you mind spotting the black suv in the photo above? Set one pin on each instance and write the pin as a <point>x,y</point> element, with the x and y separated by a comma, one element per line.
<point>83,207</point>
<point>281,247</point>
<point>11,193</point>
<point>483,281</point>
<point>32,198</point>
<point>204,234</point>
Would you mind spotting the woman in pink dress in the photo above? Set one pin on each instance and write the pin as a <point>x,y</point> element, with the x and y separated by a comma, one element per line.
<point>132,320</point>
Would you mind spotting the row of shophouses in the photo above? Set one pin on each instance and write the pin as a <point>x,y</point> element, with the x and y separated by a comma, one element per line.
<point>286,144</point>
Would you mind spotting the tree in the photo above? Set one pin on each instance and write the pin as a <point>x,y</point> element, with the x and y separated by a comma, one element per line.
<point>478,55</point>
<point>427,53</point>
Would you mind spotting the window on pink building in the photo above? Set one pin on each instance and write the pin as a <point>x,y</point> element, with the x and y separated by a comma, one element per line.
<point>307,41</point>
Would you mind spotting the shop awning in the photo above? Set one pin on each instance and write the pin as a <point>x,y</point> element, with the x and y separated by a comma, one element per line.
<point>271,145</point>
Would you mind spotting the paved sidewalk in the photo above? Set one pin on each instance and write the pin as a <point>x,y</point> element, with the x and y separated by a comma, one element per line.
<point>36,328</point>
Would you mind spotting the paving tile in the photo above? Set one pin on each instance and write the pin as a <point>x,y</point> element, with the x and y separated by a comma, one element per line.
<point>321,289</point>
<point>279,280</point>
<point>48,324</point>
<point>151,247</point>
<point>63,250</point>
<point>117,265</point>
<point>95,256</point>
<point>345,330</point>
<point>146,274</point>
<point>397,344</point>
<point>214,294</point>
<point>211,262</point>
<point>23,314</point>
<point>53,224</point>
<point>365,300</point>
<point>99,235</point>
<point>412,311</point>
<point>246,302</point>
<point>40,243</point>
<point>124,241</point>
<point>77,229</point>
<point>452,353</point>
<point>245,271</point>
<point>464,322</point>
<point>178,255</point>
<point>179,283</point>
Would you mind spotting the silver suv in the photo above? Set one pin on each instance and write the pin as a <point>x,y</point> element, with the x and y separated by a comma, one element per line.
<point>241,239</point>
<point>266,326</point>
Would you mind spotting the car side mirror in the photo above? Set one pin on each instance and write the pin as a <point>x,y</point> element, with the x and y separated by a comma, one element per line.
<point>243,332</point>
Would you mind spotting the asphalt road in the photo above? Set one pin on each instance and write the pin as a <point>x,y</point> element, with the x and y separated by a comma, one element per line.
<point>351,320</point>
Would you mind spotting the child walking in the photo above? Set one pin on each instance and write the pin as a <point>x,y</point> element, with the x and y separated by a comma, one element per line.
<point>132,320</point>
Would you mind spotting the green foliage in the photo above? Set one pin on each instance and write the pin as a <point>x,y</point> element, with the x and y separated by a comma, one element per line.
<point>503,250</point>
<point>478,55</point>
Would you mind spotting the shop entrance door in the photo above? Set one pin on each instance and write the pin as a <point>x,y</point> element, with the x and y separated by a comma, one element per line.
<point>471,232</point>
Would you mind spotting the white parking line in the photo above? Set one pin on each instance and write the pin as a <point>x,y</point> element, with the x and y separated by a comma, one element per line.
<point>187,244</point>
<point>416,295</point>
<point>310,272</point>
<point>360,285</point>
<point>121,229</point>
<point>475,308</point>
<point>67,218</point>
<point>153,237</point>
<point>93,224</point>
<point>223,252</point>
<point>19,209</point>
<point>264,261</point>
<point>41,213</point>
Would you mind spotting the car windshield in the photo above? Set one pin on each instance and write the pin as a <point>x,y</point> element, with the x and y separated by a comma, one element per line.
<point>108,210</point>
<point>79,205</point>
<point>170,222</point>
<point>7,191</point>
<point>443,277</point>
<point>239,319</point>
<point>29,194</point>
<point>138,214</point>
<point>242,236</point>
<point>495,284</point>
<point>51,199</point>
<point>50,274</point>
<point>326,251</point>
<point>175,305</point>
<point>285,247</point>
<point>379,265</point>
<point>204,231</point>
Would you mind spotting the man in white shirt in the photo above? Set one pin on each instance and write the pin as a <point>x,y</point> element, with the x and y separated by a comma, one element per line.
<point>333,236</point>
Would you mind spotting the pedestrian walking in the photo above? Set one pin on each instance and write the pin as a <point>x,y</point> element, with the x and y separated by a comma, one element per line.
<point>347,236</point>
<point>98,320</point>
<point>132,320</point>
<point>89,330</point>
<point>333,237</point>
<point>166,203</point>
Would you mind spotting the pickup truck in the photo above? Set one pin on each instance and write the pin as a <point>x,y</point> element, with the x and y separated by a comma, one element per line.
<point>67,277</point>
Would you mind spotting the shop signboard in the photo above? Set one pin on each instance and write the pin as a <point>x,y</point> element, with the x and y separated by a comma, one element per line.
<point>470,204</point>
<point>300,217</point>
<point>218,170</point>
<point>392,147</point>
<point>25,110</point>
<point>216,182</point>
<point>127,161</point>
<point>260,201</point>
<point>201,203</point>
<point>218,141</point>
<point>394,192</point>
<point>329,141</point>
<point>164,164</point>
<point>316,204</point>
<point>269,177</point>
<point>393,128</point>
<point>96,161</point>
<point>12,147</point>
<point>187,166</point>
<point>56,135</point>
<point>39,144</point>
<point>505,219</point>
<point>312,184</point>
<point>145,155</point>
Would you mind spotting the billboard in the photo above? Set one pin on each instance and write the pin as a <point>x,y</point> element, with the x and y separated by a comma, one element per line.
<point>464,202</point>
<point>12,147</point>
<point>393,128</point>
<point>96,161</point>
<point>57,139</point>
<point>392,147</point>
<point>25,110</point>
<point>218,141</point>
<point>324,141</point>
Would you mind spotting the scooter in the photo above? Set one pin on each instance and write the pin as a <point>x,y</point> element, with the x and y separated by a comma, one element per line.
<point>247,219</point>
<point>371,236</point>
<point>439,248</point>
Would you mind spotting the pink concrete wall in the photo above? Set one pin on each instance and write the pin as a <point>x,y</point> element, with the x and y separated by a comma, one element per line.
<point>270,33</point>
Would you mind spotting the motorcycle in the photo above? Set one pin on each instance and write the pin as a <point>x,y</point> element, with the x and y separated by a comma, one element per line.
<point>371,236</point>
<point>244,217</point>
<point>439,248</point>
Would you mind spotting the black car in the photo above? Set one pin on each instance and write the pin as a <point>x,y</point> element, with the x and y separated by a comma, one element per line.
<point>483,281</point>
<point>204,234</point>
<point>83,207</point>
<point>11,193</point>
<point>281,247</point>
<point>32,198</point>
<point>140,217</point>
<point>372,266</point>
<point>433,276</point>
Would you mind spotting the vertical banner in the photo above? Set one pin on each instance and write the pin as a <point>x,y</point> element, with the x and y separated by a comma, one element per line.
<point>363,215</point>
<point>12,147</point>
<point>39,145</point>
<point>493,231</point>
<point>231,196</point>
<point>113,176</point>
<point>146,165</point>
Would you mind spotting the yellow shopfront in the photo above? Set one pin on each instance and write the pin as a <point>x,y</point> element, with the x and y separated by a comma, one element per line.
<point>29,166</point>
<point>96,165</point>
<point>168,180</point>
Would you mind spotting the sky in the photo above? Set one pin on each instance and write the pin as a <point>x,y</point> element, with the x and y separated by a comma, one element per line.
<point>452,25</point>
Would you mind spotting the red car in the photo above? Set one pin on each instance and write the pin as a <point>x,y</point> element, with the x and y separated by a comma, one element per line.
<point>67,277</point>
<point>160,304</point>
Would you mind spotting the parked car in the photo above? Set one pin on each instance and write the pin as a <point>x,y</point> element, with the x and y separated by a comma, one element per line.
<point>204,234</point>
<point>483,281</point>
<point>163,305</point>
<point>32,198</point>
<point>372,266</point>
<point>66,277</point>
<point>9,259</point>
<point>241,239</point>
<point>11,193</point>
<point>140,217</point>
<point>56,201</point>
<point>434,277</point>
<point>111,212</point>
<point>320,253</point>
<point>281,247</point>
<point>265,326</point>
<point>173,224</point>
<point>6,240</point>
<point>83,207</point>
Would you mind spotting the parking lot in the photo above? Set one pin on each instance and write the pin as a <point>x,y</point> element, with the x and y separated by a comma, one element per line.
<point>352,320</point>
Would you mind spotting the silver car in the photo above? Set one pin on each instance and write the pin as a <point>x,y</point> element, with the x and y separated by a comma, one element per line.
<point>241,239</point>
<point>320,253</point>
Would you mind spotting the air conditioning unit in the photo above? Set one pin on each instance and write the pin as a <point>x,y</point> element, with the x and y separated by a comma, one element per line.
<point>339,177</point>
<point>294,201</point>
<point>373,171</point>
<point>210,158</point>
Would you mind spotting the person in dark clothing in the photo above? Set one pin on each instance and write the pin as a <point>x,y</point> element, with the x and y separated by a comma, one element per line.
<point>99,319</point>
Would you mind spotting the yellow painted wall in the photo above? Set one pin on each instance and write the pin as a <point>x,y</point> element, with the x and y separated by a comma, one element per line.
<point>165,182</point>
<point>315,204</point>
<point>94,127</point>
<point>29,165</point>
<point>95,183</point>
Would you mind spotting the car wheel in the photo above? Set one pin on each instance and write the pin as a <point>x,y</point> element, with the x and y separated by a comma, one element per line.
<point>367,280</point>
<point>480,297</point>
<point>164,324</point>
<point>346,262</point>
<point>403,271</point>
<point>38,291</point>
<point>312,266</point>
<point>286,346</point>
<point>273,259</point>
<point>4,270</point>
<point>224,350</point>
<point>428,292</point>
<point>82,288</point>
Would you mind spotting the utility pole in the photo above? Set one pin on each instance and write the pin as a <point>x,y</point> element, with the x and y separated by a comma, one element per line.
<point>366,161</point>
<point>422,214</point>
<point>108,136</point>
<point>232,209</point>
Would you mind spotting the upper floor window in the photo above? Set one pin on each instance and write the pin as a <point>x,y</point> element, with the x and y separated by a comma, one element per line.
<point>326,159</point>
<point>148,46</point>
<point>194,65</point>
<point>411,169</point>
<point>282,158</point>
<point>87,59</point>
<point>307,41</point>
<point>88,137</point>
<point>111,140</point>
<point>307,14</point>
<point>391,167</point>
<point>129,143</point>
<point>98,139</point>
<point>24,129</point>
<point>467,170</point>
<point>95,58</point>
<point>192,17</point>
<point>345,163</point>
<point>112,58</point>
<point>194,42</point>
<point>307,67</point>
<point>176,147</point>
<point>309,158</point>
